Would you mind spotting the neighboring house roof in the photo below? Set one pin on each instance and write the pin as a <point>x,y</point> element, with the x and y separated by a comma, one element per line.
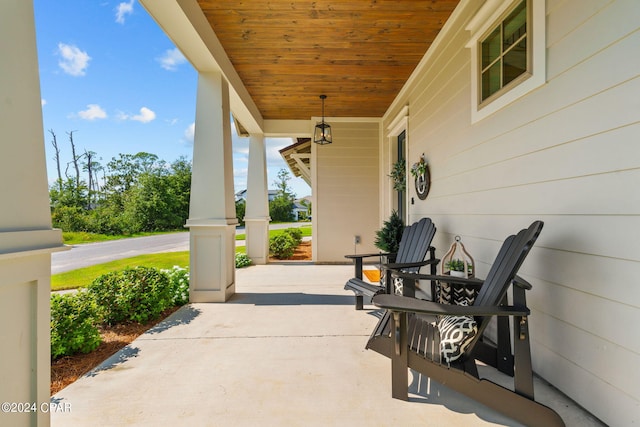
<point>298,157</point>
<point>242,195</point>
<point>299,206</point>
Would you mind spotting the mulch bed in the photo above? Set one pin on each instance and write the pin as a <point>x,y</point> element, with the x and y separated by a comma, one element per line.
<point>68,369</point>
<point>302,253</point>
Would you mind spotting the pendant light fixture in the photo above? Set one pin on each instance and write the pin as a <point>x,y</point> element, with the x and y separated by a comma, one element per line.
<point>322,133</point>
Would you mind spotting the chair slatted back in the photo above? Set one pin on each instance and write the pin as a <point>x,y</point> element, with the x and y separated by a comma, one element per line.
<point>512,254</point>
<point>415,242</point>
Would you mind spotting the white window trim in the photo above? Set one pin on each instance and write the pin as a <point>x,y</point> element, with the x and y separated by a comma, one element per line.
<point>399,123</point>
<point>488,17</point>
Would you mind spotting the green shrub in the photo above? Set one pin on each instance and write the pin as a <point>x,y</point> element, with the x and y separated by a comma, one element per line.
<point>69,218</point>
<point>296,234</point>
<point>241,207</point>
<point>179,284</point>
<point>281,208</point>
<point>242,260</point>
<point>73,324</point>
<point>282,245</point>
<point>134,294</point>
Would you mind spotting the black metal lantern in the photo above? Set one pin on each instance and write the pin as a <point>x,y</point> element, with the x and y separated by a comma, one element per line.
<point>322,133</point>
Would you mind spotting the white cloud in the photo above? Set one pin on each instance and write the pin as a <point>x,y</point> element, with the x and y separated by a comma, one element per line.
<point>145,116</point>
<point>241,151</point>
<point>73,60</point>
<point>93,112</point>
<point>43,102</point>
<point>122,10</point>
<point>171,59</point>
<point>189,133</point>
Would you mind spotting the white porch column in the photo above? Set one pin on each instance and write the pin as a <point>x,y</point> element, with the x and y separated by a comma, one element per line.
<point>257,211</point>
<point>212,210</point>
<point>26,237</point>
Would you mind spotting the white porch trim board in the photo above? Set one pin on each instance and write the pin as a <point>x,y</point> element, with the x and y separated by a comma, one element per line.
<point>212,212</point>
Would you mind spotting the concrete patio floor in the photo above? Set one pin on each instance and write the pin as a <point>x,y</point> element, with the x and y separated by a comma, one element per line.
<point>286,350</point>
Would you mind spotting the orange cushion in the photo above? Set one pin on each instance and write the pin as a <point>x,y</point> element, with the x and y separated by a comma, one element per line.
<point>372,275</point>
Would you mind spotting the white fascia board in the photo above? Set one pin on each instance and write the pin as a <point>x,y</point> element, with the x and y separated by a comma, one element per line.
<point>288,128</point>
<point>185,24</point>
<point>304,128</point>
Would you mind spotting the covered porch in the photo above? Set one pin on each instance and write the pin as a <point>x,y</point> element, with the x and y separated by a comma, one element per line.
<point>559,147</point>
<point>286,350</point>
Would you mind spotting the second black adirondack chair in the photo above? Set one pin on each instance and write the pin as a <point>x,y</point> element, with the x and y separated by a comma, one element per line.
<point>412,338</point>
<point>414,244</point>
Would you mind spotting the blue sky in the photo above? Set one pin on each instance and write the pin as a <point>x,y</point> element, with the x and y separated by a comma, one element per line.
<point>109,74</point>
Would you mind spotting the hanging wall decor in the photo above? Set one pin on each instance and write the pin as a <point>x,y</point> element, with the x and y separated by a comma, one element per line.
<point>420,172</point>
<point>398,175</point>
<point>457,261</point>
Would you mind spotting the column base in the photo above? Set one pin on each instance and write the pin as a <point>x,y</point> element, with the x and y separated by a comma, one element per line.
<point>212,262</point>
<point>257,239</point>
<point>25,321</point>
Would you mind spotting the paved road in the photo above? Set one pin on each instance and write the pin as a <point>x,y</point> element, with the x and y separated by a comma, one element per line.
<point>89,254</point>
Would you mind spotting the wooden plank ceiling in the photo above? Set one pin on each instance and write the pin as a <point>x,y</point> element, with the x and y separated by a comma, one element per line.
<point>357,52</point>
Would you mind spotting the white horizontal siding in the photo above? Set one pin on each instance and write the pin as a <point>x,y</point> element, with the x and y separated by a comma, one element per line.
<point>568,153</point>
<point>565,18</point>
<point>614,406</point>
<point>606,27</point>
<point>347,191</point>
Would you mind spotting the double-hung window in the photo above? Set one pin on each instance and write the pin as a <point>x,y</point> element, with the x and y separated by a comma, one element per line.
<point>504,53</point>
<point>508,53</point>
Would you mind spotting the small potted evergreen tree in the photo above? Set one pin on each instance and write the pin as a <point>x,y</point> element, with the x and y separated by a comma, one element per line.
<point>388,240</point>
<point>388,237</point>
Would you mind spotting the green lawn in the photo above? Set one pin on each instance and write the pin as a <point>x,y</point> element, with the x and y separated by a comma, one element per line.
<point>78,237</point>
<point>84,276</point>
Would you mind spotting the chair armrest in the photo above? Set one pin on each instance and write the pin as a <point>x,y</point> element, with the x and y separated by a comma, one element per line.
<point>520,282</point>
<point>517,280</point>
<point>356,256</point>
<point>357,261</point>
<point>412,305</point>
<point>447,279</point>
<point>400,265</point>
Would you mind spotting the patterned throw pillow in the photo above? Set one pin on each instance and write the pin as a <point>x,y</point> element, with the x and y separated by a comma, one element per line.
<point>398,285</point>
<point>456,293</point>
<point>456,333</point>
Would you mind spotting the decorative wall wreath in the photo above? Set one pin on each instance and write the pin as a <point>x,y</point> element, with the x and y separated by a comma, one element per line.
<point>422,178</point>
<point>398,175</point>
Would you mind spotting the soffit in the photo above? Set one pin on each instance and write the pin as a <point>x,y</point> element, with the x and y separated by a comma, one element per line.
<point>357,52</point>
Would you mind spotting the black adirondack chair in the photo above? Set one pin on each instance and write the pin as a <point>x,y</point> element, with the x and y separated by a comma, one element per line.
<point>414,244</point>
<point>410,337</point>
